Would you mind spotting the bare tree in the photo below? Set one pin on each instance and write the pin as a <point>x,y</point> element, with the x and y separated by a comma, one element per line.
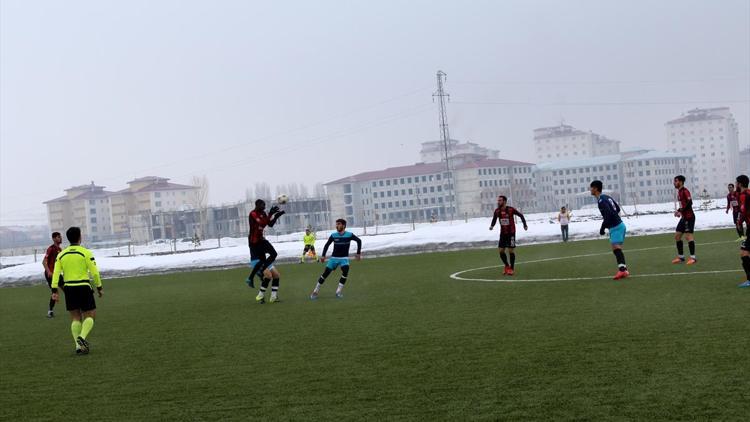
<point>319,190</point>
<point>262,190</point>
<point>304,192</point>
<point>201,182</point>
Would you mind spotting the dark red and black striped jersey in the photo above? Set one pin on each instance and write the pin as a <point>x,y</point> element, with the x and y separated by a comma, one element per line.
<point>686,203</point>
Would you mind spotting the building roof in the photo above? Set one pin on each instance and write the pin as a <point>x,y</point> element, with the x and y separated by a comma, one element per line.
<point>393,172</point>
<point>492,162</point>
<point>655,155</point>
<point>164,186</point>
<point>149,179</point>
<point>699,114</point>
<point>580,162</point>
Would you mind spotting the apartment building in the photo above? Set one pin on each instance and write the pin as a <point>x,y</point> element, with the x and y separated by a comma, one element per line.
<point>564,142</point>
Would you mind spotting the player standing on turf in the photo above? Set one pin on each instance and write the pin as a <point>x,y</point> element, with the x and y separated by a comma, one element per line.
<point>341,240</point>
<point>49,267</point>
<point>686,226</point>
<point>270,276</point>
<point>260,248</point>
<point>507,216</point>
<point>309,240</point>
<point>744,200</point>
<point>76,263</point>
<point>733,202</point>
<point>611,220</point>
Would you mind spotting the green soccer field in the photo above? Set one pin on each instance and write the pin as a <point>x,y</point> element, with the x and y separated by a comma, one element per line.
<point>406,343</point>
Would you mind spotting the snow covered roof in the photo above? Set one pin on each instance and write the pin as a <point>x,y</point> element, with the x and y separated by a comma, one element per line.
<point>492,162</point>
<point>655,155</point>
<point>393,172</point>
<point>579,162</point>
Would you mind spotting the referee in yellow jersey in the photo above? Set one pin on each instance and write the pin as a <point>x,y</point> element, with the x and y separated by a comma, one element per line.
<point>76,263</point>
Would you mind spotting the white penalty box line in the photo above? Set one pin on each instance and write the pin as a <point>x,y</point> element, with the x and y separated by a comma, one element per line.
<point>457,275</point>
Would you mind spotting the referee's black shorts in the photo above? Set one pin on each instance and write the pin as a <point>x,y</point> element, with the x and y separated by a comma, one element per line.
<point>79,297</point>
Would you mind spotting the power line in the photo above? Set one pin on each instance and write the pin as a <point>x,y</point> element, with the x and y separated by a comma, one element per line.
<point>597,103</point>
<point>602,82</point>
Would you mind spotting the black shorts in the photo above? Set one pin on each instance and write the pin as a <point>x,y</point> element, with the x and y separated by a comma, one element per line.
<point>261,249</point>
<point>79,297</point>
<point>60,283</point>
<point>309,248</point>
<point>686,225</point>
<point>507,240</point>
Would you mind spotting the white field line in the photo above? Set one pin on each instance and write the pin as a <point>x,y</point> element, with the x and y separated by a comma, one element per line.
<point>457,275</point>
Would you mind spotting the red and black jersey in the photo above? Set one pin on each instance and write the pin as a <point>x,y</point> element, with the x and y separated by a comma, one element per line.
<point>51,256</point>
<point>686,203</point>
<point>733,201</point>
<point>507,218</point>
<point>258,221</point>
<point>744,202</point>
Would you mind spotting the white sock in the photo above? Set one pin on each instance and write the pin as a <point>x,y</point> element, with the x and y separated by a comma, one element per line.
<point>340,288</point>
<point>274,292</point>
<point>317,288</point>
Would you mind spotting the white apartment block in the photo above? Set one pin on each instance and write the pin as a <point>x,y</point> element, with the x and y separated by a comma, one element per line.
<point>565,142</point>
<point>479,183</point>
<point>396,194</point>
<point>104,215</point>
<point>745,161</point>
<point>634,177</point>
<point>85,206</point>
<point>434,151</point>
<point>712,136</point>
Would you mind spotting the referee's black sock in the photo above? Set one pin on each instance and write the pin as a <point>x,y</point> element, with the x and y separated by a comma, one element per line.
<point>504,258</point>
<point>746,266</point>
<point>691,247</point>
<point>512,260</point>
<point>680,249</point>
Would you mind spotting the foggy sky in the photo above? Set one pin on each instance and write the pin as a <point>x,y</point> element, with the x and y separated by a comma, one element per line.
<point>311,91</point>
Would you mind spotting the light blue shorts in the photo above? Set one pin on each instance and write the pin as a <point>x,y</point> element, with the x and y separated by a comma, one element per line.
<point>334,263</point>
<point>255,261</point>
<point>617,234</point>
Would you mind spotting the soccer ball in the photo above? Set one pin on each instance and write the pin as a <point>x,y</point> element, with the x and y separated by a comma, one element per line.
<point>282,199</point>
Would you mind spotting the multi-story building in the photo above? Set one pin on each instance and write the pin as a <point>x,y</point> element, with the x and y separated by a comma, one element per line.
<point>712,136</point>
<point>564,142</point>
<point>434,151</point>
<point>85,206</point>
<point>633,177</point>
<point>397,194</point>
<point>745,161</point>
<point>479,183</point>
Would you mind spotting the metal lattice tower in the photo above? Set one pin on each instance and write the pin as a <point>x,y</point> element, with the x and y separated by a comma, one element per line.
<point>445,137</point>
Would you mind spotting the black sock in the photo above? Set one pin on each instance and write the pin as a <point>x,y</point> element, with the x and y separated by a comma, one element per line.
<point>264,283</point>
<point>51,304</point>
<point>504,258</point>
<point>680,250</point>
<point>323,276</point>
<point>620,259</point>
<point>512,260</point>
<point>342,280</point>
<point>746,266</point>
<point>691,247</point>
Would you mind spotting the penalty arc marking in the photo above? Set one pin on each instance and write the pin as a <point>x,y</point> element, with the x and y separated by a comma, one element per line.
<point>458,275</point>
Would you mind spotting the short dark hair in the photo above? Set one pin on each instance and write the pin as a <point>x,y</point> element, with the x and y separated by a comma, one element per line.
<point>505,198</point>
<point>259,202</point>
<point>598,185</point>
<point>743,180</point>
<point>73,234</point>
<point>342,221</point>
<point>731,184</point>
<point>56,234</point>
<point>680,177</point>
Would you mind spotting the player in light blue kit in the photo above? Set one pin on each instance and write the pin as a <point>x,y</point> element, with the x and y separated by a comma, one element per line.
<point>341,240</point>
<point>611,220</point>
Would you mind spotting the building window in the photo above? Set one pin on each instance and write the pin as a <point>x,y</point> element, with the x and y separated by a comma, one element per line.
<point>93,219</point>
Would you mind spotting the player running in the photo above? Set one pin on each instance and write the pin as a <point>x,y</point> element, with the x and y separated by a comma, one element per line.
<point>507,216</point>
<point>309,240</point>
<point>611,220</point>
<point>48,262</point>
<point>733,202</point>
<point>341,240</point>
<point>686,226</point>
<point>260,248</point>
<point>270,276</point>
<point>744,200</point>
<point>77,264</point>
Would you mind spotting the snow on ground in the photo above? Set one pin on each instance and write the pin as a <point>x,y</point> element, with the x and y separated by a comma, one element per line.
<point>391,239</point>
